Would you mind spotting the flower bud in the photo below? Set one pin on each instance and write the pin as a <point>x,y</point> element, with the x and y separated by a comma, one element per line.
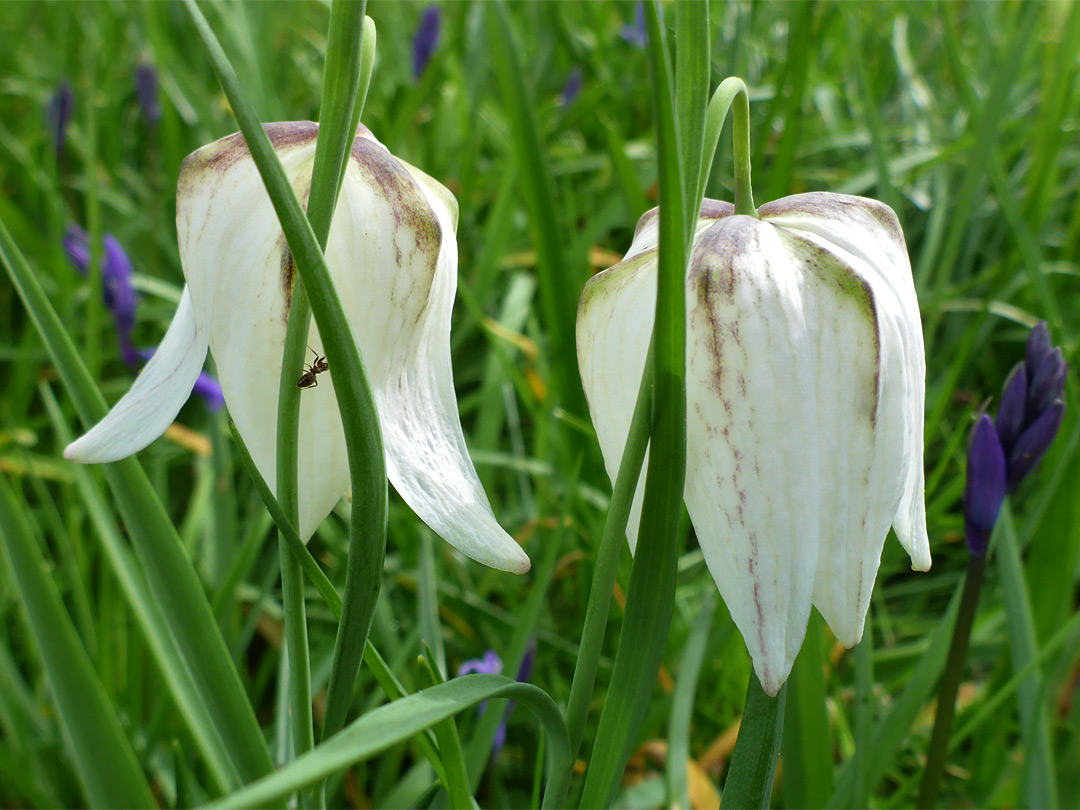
<point>1034,442</point>
<point>1010,415</point>
<point>984,489</point>
<point>1038,346</point>
<point>1048,384</point>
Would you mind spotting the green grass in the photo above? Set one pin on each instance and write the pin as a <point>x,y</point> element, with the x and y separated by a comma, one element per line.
<point>963,117</point>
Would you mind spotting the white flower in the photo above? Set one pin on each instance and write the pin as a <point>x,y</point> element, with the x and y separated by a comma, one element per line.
<point>393,255</point>
<point>804,390</point>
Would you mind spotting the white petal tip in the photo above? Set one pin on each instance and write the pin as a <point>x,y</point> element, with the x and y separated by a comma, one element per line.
<point>920,563</point>
<point>512,563</point>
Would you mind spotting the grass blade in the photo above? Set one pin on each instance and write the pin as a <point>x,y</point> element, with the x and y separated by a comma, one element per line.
<point>806,746</point>
<point>398,721</point>
<point>682,705</point>
<point>103,756</point>
<point>649,602</point>
<point>757,749</point>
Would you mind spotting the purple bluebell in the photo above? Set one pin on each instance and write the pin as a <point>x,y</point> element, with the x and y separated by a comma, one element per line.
<point>426,40</point>
<point>1010,415</point>
<point>146,90</point>
<point>984,489</point>
<point>572,87</point>
<point>1048,382</point>
<point>58,113</point>
<point>1034,442</point>
<point>116,275</point>
<point>634,32</point>
<point>490,664</point>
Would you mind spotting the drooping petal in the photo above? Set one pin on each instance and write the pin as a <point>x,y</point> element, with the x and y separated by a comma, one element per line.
<point>866,234</point>
<point>395,255</point>
<point>155,398</point>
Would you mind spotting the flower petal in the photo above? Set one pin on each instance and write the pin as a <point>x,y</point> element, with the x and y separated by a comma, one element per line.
<point>753,482</point>
<point>393,241</point>
<point>867,235</point>
<point>155,398</point>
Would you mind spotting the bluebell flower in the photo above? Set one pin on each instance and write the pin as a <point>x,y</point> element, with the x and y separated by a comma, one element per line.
<point>116,280</point>
<point>572,87</point>
<point>146,90</point>
<point>426,40</point>
<point>58,113</point>
<point>634,32</point>
<point>491,664</point>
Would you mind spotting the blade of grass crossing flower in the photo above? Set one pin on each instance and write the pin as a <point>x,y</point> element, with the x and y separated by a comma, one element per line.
<point>607,560</point>
<point>891,731</point>
<point>430,628</point>
<point>806,746</point>
<point>650,599</point>
<point>692,74</point>
<point>363,437</point>
<point>398,721</point>
<point>554,267</point>
<point>341,78</point>
<point>169,571</point>
<point>103,757</point>
<point>457,777</point>
<point>1040,780</point>
<point>147,613</point>
<point>757,749</point>
<point>682,705</point>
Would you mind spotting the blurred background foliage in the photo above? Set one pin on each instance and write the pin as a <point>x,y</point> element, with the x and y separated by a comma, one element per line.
<point>961,116</point>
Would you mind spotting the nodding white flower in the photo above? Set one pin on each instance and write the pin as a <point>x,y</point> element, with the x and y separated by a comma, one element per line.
<point>804,390</point>
<point>393,256</point>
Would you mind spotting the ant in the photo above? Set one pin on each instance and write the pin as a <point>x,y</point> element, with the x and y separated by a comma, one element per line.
<point>309,379</point>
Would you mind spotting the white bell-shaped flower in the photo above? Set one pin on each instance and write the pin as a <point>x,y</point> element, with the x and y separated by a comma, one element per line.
<point>804,390</point>
<point>392,252</point>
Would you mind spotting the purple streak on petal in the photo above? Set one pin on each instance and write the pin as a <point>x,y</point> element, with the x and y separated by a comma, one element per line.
<point>1038,346</point>
<point>76,244</point>
<point>1047,385</point>
<point>146,89</point>
<point>1010,415</point>
<point>116,275</point>
<point>572,87</point>
<point>426,40</point>
<point>984,489</point>
<point>634,33</point>
<point>1034,442</point>
<point>206,386</point>
<point>58,113</point>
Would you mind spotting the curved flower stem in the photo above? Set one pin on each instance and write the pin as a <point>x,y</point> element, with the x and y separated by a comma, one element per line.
<point>938,753</point>
<point>607,560</point>
<point>757,749</point>
<point>730,95</point>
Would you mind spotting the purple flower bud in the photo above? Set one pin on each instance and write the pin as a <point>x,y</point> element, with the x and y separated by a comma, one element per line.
<point>58,113</point>
<point>76,244</point>
<point>984,489</point>
<point>634,33</point>
<point>1010,415</point>
<point>1038,346</point>
<point>146,89</point>
<point>426,40</point>
<point>1034,442</point>
<point>1048,384</point>
<point>572,87</point>
<point>116,275</point>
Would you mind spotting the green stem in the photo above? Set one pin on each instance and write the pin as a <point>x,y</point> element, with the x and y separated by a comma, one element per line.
<point>607,560</point>
<point>937,753</point>
<point>757,749</point>
<point>730,95</point>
